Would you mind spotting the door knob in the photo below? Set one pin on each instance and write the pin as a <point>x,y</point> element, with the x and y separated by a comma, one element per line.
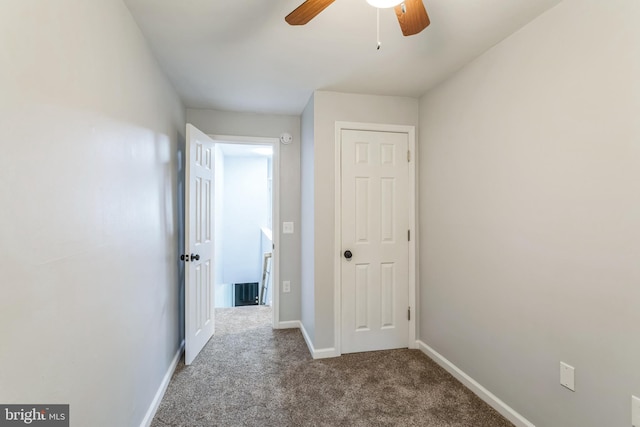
<point>184,257</point>
<point>348,254</point>
<point>195,257</point>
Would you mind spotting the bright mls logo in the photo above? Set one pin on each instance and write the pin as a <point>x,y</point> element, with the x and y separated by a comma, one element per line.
<point>34,415</point>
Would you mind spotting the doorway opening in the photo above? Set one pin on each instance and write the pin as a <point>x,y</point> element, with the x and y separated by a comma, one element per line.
<point>245,212</point>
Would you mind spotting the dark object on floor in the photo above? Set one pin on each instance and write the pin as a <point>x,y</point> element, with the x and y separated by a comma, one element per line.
<point>245,294</point>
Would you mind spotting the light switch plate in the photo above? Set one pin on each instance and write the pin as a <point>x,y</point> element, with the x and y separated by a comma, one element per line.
<point>287,228</point>
<point>635,411</point>
<point>567,376</point>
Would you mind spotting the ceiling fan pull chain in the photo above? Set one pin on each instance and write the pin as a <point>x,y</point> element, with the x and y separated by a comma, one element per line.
<point>378,28</point>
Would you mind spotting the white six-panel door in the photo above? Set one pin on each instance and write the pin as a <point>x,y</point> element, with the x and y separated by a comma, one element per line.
<point>375,224</point>
<point>199,242</point>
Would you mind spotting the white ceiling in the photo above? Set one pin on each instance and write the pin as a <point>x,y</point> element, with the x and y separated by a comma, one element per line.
<point>240,55</point>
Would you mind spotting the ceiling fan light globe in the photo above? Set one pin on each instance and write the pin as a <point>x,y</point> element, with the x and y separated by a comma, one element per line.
<point>383,4</point>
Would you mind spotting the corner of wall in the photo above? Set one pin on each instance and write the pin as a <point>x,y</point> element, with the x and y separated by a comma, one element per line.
<point>307,220</point>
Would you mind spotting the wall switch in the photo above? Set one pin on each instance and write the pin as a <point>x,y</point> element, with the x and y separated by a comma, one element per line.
<point>287,228</point>
<point>567,376</point>
<point>635,411</point>
<point>286,286</point>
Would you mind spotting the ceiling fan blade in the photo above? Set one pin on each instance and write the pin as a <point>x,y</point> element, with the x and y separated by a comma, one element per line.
<point>412,17</point>
<point>307,11</point>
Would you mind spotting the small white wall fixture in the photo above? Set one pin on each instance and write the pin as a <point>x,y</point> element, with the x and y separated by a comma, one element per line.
<point>413,243</point>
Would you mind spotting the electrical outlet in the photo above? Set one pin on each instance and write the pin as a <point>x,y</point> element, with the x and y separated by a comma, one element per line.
<point>635,411</point>
<point>567,376</point>
<point>287,228</point>
<point>286,286</point>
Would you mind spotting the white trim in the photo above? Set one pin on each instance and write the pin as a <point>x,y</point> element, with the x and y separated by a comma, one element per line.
<point>275,214</point>
<point>413,244</point>
<point>288,324</point>
<point>321,353</point>
<point>505,410</point>
<point>249,140</point>
<point>337,258</point>
<point>324,353</point>
<point>155,403</point>
<point>414,256</point>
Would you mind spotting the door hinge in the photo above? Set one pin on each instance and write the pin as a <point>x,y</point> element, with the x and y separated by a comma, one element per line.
<point>409,313</point>
<point>408,235</point>
<point>408,156</point>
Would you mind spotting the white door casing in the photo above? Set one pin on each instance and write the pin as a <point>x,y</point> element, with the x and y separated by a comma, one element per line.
<point>375,222</point>
<point>199,242</point>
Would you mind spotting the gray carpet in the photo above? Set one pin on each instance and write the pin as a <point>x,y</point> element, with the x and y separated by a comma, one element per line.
<point>251,375</point>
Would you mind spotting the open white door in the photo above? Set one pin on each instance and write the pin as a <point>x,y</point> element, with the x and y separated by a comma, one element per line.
<point>199,242</point>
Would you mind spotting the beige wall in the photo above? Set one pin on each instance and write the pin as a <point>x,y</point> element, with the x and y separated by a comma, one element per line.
<point>217,122</point>
<point>89,128</point>
<point>329,108</point>
<point>530,210</point>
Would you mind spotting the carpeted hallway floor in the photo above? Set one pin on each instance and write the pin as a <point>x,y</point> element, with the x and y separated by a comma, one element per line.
<point>251,375</point>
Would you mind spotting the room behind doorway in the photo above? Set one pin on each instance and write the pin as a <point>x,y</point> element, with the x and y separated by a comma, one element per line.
<point>243,222</point>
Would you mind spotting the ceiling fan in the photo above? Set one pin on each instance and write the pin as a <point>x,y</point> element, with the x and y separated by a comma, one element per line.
<point>412,15</point>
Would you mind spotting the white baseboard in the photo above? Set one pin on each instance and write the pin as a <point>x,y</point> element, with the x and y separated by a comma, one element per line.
<point>155,403</point>
<point>321,353</point>
<point>289,324</point>
<point>505,410</point>
<point>325,353</point>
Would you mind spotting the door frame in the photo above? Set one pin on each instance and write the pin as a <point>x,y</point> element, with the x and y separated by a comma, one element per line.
<point>413,243</point>
<point>275,209</point>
